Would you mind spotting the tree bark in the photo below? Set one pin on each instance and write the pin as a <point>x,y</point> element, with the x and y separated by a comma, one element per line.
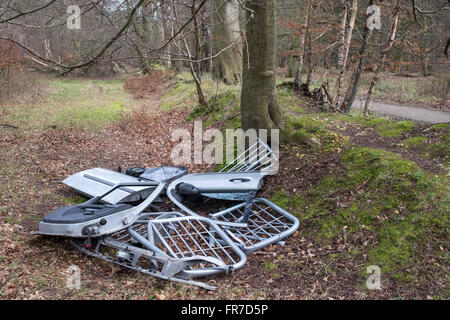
<point>198,82</point>
<point>163,30</point>
<point>345,50</point>
<point>141,28</point>
<point>356,76</point>
<point>341,52</point>
<point>301,54</point>
<point>426,65</point>
<point>294,56</point>
<point>382,59</point>
<point>259,104</point>
<point>227,66</point>
<point>197,39</point>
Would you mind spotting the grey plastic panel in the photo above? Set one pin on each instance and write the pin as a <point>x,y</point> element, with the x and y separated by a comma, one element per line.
<point>115,221</point>
<point>222,182</point>
<point>97,181</point>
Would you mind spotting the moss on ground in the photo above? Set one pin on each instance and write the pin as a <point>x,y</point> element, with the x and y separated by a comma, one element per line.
<point>417,142</point>
<point>222,108</point>
<point>180,94</point>
<point>382,195</point>
<point>312,131</point>
<point>434,144</point>
<point>440,126</point>
<point>361,120</point>
<point>382,126</point>
<point>394,129</point>
<point>74,200</point>
<point>183,93</point>
<point>290,101</point>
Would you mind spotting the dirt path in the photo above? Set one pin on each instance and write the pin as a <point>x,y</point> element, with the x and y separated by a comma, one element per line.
<point>406,112</point>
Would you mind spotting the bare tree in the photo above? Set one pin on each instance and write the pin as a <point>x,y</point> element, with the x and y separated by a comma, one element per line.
<point>344,49</point>
<point>382,58</point>
<point>301,54</point>
<point>356,75</point>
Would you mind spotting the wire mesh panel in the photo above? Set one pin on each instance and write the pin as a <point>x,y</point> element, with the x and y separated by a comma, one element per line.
<point>186,237</point>
<point>267,224</point>
<point>195,236</point>
<point>257,157</point>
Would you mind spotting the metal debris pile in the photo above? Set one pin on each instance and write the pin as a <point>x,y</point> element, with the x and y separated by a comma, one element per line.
<point>209,224</point>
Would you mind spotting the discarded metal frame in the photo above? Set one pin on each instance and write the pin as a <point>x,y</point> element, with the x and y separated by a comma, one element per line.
<point>177,246</point>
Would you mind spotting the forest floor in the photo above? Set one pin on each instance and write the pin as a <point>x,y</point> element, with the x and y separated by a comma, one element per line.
<point>368,191</point>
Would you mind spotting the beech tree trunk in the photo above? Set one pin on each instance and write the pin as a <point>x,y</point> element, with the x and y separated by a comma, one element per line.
<point>382,59</point>
<point>227,66</point>
<point>259,104</point>
<point>294,57</point>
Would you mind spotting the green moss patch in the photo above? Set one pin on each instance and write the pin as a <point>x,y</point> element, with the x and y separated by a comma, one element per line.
<point>361,120</point>
<point>382,126</point>
<point>221,108</point>
<point>394,129</point>
<point>415,141</point>
<point>313,132</point>
<point>386,205</point>
<point>440,126</point>
<point>181,94</point>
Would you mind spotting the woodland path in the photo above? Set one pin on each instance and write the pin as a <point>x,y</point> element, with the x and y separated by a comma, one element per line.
<point>406,112</point>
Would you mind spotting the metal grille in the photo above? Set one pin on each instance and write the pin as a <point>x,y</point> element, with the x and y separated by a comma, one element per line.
<point>183,237</point>
<point>257,157</point>
<point>267,224</point>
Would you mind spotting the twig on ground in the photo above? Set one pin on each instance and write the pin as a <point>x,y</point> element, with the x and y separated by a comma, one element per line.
<point>7,125</point>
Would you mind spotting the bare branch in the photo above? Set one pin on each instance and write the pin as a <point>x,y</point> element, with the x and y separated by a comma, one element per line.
<point>28,12</point>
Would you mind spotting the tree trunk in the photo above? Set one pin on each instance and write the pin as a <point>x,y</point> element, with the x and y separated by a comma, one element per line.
<point>141,28</point>
<point>177,65</point>
<point>259,104</point>
<point>206,65</point>
<point>163,30</point>
<point>301,54</point>
<point>294,57</point>
<point>382,60</point>
<point>356,76</point>
<point>426,65</point>
<point>197,40</point>
<point>345,50</point>
<point>227,66</point>
<point>198,83</point>
<point>341,52</point>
